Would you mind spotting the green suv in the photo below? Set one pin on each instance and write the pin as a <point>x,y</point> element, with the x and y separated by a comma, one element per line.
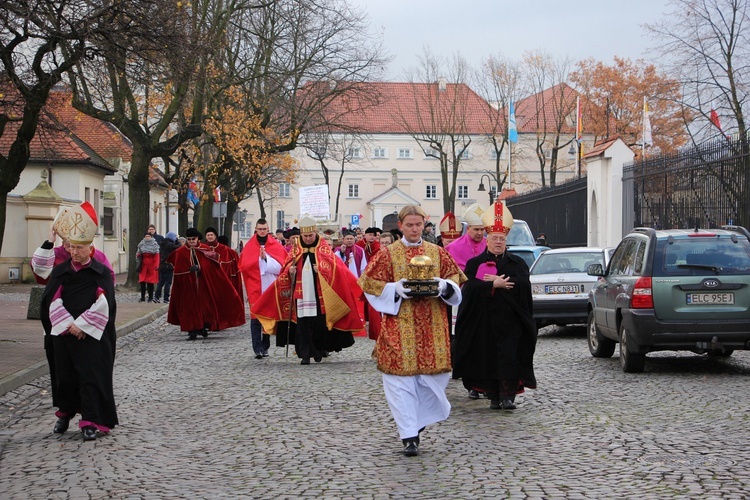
<point>674,289</point>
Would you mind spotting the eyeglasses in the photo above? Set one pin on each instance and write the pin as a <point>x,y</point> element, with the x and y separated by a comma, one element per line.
<point>497,239</point>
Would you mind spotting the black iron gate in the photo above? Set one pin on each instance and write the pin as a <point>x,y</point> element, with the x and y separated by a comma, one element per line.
<point>559,212</point>
<point>703,186</point>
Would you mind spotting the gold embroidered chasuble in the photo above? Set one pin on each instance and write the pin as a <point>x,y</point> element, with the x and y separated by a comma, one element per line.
<point>417,340</point>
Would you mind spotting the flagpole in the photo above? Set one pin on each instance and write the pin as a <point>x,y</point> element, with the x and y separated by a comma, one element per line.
<point>510,147</point>
<point>643,136</point>
<point>578,139</point>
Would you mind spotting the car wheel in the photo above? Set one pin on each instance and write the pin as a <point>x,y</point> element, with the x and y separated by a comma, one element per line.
<point>630,362</point>
<point>599,346</point>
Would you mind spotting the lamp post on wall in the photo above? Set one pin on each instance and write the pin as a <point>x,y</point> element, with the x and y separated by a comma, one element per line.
<point>493,190</point>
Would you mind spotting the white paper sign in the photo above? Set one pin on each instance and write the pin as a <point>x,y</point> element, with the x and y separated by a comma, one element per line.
<point>314,200</point>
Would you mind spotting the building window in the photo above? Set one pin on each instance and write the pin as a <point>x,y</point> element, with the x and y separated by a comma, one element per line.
<point>404,153</point>
<point>431,192</point>
<point>493,154</point>
<point>354,152</point>
<point>431,154</point>
<point>463,192</point>
<point>87,194</point>
<point>379,152</point>
<point>353,190</point>
<point>284,190</point>
<point>280,223</point>
<point>246,230</point>
<point>465,154</point>
<point>108,221</point>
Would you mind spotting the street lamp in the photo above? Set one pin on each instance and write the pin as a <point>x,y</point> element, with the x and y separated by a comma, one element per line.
<point>493,190</point>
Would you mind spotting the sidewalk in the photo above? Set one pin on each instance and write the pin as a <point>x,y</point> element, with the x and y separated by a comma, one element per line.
<point>22,340</point>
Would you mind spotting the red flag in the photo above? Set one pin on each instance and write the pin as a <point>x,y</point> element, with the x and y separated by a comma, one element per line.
<point>715,119</point>
<point>217,194</point>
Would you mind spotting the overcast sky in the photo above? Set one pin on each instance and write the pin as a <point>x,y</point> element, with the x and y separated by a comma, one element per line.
<point>577,29</point>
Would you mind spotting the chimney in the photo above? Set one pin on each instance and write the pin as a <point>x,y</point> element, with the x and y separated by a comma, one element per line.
<point>442,83</point>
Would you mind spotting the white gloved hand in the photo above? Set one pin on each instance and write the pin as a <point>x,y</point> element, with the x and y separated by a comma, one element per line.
<point>401,291</point>
<point>442,285</point>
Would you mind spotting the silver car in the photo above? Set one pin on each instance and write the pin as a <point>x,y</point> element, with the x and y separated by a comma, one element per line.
<point>560,284</point>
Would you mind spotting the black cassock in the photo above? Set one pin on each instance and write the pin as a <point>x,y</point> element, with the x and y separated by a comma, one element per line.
<point>81,371</point>
<point>493,350</point>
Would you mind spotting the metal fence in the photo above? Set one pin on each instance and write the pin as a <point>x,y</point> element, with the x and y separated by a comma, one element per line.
<point>702,186</point>
<point>559,212</point>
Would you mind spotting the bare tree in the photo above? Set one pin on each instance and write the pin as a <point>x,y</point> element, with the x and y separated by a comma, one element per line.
<point>440,115</point>
<point>553,107</point>
<point>499,82</point>
<point>707,49</point>
<point>39,42</point>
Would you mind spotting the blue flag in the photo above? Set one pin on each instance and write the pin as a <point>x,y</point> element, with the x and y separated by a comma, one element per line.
<point>512,129</point>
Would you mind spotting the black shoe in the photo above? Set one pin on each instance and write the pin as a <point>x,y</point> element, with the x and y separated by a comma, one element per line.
<point>192,336</point>
<point>318,359</point>
<point>204,333</point>
<point>166,301</point>
<point>62,425</point>
<point>411,447</point>
<point>473,394</point>
<point>89,433</point>
<point>507,404</point>
<point>156,301</point>
<point>305,361</point>
<point>495,404</point>
<point>265,354</point>
<point>258,356</point>
<point>141,300</point>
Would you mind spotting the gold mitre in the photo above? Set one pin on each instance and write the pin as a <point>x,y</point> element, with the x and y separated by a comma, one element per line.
<point>307,224</point>
<point>77,224</point>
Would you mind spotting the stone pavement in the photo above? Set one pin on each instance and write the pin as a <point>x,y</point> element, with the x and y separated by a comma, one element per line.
<point>204,419</point>
<point>22,357</point>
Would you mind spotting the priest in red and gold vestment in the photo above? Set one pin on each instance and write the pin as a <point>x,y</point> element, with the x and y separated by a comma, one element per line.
<point>317,292</point>
<point>413,349</point>
<point>203,298</point>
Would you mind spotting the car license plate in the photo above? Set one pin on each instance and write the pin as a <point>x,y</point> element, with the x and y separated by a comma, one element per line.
<point>710,298</point>
<point>551,289</point>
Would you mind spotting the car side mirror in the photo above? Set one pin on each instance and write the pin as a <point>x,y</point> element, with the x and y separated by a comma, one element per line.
<point>595,270</point>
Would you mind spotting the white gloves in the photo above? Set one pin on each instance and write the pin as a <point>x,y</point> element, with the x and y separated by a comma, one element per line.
<point>401,291</point>
<point>442,285</point>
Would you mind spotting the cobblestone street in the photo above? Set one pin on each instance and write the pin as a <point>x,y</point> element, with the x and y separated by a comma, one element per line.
<point>205,419</point>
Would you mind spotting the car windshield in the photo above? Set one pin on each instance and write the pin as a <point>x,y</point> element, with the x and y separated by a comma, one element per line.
<point>520,234</point>
<point>526,255</point>
<point>572,262</point>
<point>697,256</point>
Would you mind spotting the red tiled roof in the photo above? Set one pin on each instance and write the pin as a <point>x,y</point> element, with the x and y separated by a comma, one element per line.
<point>541,111</point>
<point>601,146</point>
<point>101,136</point>
<point>65,135</point>
<point>400,108</point>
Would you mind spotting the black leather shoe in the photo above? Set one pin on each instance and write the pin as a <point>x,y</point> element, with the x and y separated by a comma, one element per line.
<point>473,394</point>
<point>318,359</point>
<point>192,335</point>
<point>258,356</point>
<point>89,433</point>
<point>305,361</point>
<point>204,333</point>
<point>411,448</point>
<point>62,425</point>
<point>495,404</point>
<point>507,404</point>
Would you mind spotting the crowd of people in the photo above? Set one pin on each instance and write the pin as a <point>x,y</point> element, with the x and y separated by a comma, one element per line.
<point>470,317</point>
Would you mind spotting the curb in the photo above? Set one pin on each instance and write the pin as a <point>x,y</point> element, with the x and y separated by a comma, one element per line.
<point>40,369</point>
